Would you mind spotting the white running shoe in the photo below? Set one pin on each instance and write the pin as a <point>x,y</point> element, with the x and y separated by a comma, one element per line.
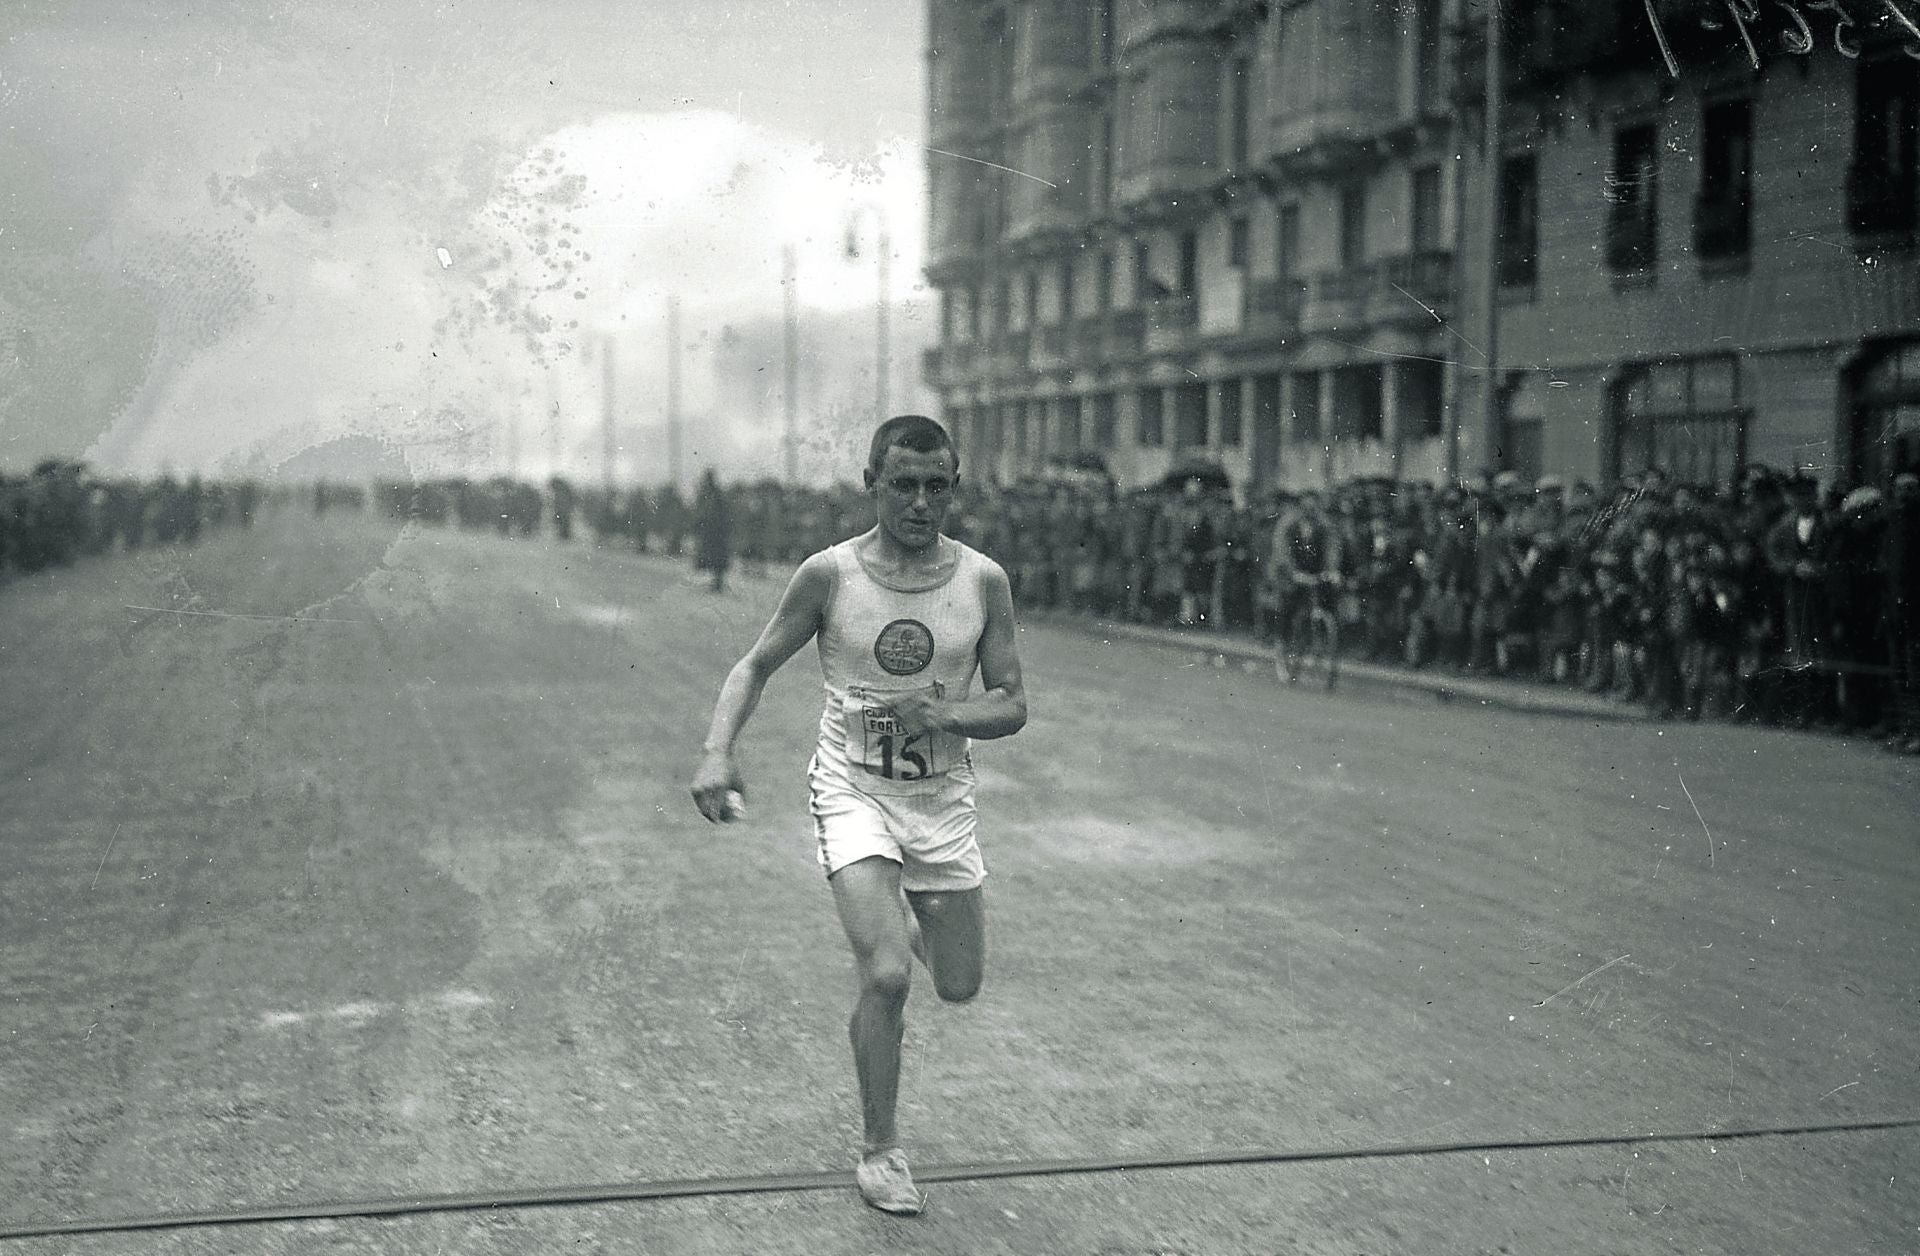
<point>886,1183</point>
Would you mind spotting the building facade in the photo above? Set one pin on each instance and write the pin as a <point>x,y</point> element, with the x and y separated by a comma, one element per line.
<point>1266,235</point>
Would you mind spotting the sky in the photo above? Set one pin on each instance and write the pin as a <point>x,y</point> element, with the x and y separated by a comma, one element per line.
<point>236,231</point>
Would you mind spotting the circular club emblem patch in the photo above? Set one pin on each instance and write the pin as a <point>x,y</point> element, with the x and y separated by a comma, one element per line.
<point>903,647</point>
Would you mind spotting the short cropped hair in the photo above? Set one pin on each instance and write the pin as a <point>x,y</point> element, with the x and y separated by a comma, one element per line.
<point>911,431</point>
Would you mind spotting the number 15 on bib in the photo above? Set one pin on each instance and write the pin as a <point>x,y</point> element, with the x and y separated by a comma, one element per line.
<point>878,744</point>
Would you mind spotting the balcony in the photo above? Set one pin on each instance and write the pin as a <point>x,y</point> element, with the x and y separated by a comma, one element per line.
<point>1171,320</point>
<point>1413,287</point>
<point>1089,338</point>
<point>948,363</point>
<point>1337,298</point>
<point>1013,350</point>
<point>1050,344</point>
<point>1272,306</point>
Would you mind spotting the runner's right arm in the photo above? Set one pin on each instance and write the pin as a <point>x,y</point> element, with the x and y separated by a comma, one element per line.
<point>802,610</point>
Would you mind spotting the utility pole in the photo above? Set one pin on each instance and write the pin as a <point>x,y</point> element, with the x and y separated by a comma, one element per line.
<point>606,410</point>
<point>790,284</point>
<point>880,361</point>
<point>513,432</point>
<point>556,461</point>
<point>673,392</point>
<point>1490,434</point>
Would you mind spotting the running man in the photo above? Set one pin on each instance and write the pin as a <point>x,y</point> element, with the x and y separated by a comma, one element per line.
<point>905,617</point>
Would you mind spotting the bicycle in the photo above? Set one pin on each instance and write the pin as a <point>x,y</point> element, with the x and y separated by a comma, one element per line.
<point>1316,652</point>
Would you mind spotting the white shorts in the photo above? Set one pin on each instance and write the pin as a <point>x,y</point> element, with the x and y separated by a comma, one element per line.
<point>930,835</point>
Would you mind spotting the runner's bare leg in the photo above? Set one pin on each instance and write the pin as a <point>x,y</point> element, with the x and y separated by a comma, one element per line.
<point>953,928</point>
<point>867,894</point>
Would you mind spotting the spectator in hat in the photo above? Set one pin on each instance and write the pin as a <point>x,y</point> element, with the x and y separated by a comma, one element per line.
<point>1900,550</point>
<point>1796,547</point>
<point>1857,598</point>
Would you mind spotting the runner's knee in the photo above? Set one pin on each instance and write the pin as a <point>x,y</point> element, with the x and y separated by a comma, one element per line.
<point>887,977</point>
<point>954,988</point>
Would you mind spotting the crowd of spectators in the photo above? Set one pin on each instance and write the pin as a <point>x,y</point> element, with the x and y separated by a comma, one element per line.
<point>765,522</point>
<point>1776,600</point>
<point>60,512</point>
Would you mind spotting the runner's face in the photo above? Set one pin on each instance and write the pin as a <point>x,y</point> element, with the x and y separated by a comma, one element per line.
<point>912,492</point>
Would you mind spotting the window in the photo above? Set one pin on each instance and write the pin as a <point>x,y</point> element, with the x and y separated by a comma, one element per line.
<point>1423,388</point>
<point>1189,416</point>
<point>1103,34</point>
<point>1066,290</point>
<point>1426,63</point>
<point>1189,263</point>
<point>1230,418</point>
<point>1019,429</point>
<point>999,35</point>
<point>1353,225</point>
<point>1306,406</point>
<point>1103,282</point>
<point>1886,412</point>
<point>1152,432</point>
<point>1519,221</point>
<point>1104,433</point>
<point>1103,186</point>
<point>1359,402</point>
<point>1721,218</point>
<point>1683,416</point>
<point>1632,188</point>
<point>1237,241</point>
<point>1426,209</point>
<point>1069,436</point>
<point>1289,240</point>
<point>973,312</point>
<point>1239,72</point>
<point>1145,286</point>
<point>1031,300</point>
<point>1002,305</point>
<point>1881,186</point>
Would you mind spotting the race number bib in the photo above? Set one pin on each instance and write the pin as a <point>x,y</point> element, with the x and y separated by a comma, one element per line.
<point>878,745</point>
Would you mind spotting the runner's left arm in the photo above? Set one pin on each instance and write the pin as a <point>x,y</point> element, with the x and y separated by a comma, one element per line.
<point>1001,709</point>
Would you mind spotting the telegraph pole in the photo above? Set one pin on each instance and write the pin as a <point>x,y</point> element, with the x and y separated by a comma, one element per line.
<point>1490,434</point>
<point>789,279</point>
<point>556,460</point>
<point>513,432</point>
<point>880,362</point>
<point>608,451</point>
<point>673,392</point>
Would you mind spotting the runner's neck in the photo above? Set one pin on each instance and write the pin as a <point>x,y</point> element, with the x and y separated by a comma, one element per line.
<point>904,570</point>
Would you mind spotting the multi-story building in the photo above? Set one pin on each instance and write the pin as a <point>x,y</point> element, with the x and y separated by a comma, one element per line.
<point>1265,234</point>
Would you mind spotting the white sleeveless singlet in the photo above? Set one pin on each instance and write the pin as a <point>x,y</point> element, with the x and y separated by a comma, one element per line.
<point>876,640</point>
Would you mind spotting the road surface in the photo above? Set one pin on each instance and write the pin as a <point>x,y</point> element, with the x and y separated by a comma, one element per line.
<point>376,875</point>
